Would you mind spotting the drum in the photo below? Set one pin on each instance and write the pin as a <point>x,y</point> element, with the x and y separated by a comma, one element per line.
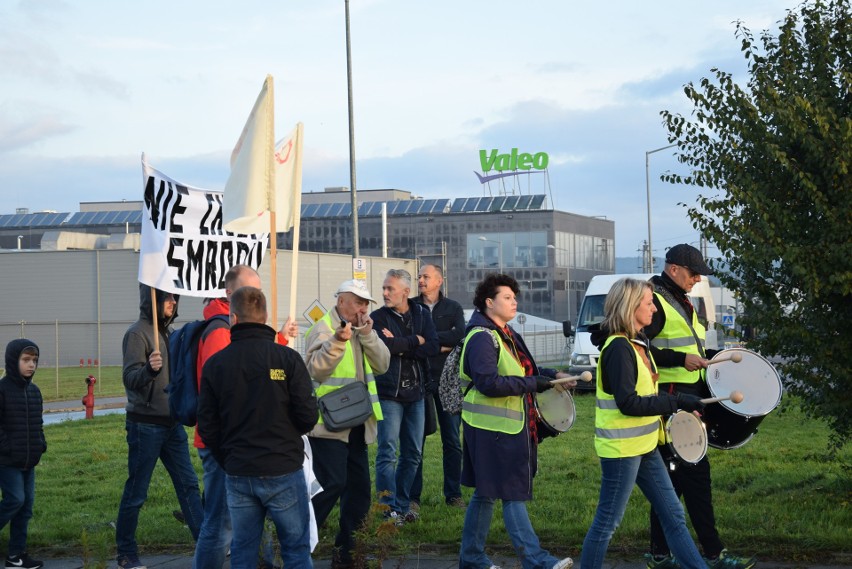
<point>555,408</point>
<point>687,437</point>
<point>731,425</point>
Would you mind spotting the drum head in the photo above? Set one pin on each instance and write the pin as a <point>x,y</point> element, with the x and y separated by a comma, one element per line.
<point>754,376</point>
<point>555,409</point>
<point>688,436</point>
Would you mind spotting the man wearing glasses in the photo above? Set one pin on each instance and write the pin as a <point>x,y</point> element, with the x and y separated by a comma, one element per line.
<point>677,344</point>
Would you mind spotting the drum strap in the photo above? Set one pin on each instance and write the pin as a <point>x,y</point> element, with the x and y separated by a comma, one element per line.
<point>667,294</point>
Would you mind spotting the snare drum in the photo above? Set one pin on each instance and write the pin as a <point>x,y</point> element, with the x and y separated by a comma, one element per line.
<point>686,436</point>
<point>555,408</point>
<point>731,425</point>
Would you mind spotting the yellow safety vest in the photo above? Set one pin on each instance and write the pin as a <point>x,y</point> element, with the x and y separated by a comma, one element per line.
<point>345,373</point>
<point>501,414</point>
<point>676,335</point>
<point>618,435</point>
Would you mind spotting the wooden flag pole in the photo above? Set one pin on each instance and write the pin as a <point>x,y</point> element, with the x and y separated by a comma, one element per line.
<point>273,271</point>
<point>296,212</point>
<point>154,316</point>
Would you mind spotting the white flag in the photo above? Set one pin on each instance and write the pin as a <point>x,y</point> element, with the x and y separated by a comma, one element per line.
<point>264,177</point>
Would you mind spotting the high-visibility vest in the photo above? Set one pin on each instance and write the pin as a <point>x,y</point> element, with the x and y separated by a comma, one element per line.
<point>345,373</point>
<point>618,435</point>
<point>676,335</point>
<point>501,414</point>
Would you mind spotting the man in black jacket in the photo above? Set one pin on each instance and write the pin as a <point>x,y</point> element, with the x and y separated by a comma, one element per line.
<point>448,317</point>
<point>255,404</point>
<point>677,343</point>
<point>407,330</point>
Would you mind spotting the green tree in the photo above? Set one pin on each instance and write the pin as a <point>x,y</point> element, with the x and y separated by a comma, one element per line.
<point>772,163</point>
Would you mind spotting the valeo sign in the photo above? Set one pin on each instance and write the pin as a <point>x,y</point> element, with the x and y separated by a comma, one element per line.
<point>493,160</point>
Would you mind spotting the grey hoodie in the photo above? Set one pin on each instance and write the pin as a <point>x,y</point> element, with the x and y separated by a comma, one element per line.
<point>147,400</point>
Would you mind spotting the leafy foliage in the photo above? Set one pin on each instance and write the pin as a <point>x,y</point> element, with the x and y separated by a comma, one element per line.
<point>773,163</point>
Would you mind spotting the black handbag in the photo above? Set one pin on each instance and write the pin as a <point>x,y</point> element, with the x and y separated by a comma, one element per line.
<point>346,407</point>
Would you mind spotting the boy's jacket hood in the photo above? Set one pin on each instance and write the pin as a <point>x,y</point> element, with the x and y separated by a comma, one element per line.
<point>13,355</point>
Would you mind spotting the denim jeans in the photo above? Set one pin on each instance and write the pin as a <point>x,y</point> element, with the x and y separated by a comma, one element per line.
<point>343,471</point>
<point>477,522</point>
<point>618,475</point>
<point>145,444</point>
<point>284,499</point>
<point>214,539</point>
<point>16,508</point>
<point>401,428</point>
<point>449,425</point>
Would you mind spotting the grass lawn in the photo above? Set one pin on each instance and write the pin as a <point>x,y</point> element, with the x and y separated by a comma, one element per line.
<point>779,497</point>
<point>71,382</point>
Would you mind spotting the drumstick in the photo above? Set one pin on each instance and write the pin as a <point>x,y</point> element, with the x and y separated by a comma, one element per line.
<point>736,357</point>
<point>735,397</point>
<point>585,376</point>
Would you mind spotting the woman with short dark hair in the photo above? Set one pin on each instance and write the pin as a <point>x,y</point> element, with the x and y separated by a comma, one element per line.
<point>500,377</point>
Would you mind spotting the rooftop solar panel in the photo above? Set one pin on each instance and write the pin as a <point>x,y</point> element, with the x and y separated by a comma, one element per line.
<point>497,204</point>
<point>537,202</point>
<point>458,205</point>
<point>511,203</point>
<point>523,203</point>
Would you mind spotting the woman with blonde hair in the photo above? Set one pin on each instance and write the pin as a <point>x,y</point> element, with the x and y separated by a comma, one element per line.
<point>628,425</point>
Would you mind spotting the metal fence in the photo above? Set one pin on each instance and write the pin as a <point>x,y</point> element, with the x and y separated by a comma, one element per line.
<point>64,343</point>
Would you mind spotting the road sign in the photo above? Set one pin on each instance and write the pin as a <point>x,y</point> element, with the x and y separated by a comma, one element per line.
<point>314,312</point>
<point>728,320</point>
<point>359,269</point>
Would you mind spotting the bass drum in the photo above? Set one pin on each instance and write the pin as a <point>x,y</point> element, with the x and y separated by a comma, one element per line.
<point>731,425</point>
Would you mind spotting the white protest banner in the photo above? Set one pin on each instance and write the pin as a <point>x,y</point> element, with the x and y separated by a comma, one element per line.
<point>184,249</point>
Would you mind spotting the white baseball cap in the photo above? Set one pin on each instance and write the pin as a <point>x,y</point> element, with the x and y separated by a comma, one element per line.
<point>356,287</point>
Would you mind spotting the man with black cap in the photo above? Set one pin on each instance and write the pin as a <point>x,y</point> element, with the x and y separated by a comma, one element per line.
<point>677,343</point>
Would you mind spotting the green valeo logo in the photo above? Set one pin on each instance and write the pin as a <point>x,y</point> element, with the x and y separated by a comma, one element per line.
<point>512,161</point>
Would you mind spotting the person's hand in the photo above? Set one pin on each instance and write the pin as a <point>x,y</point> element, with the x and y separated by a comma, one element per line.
<point>387,333</point>
<point>693,362</point>
<point>155,361</point>
<point>542,384</point>
<point>343,332</point>
<point>689,402</point>
<point>566,384</point>
<point>420,339</point>
<point>290,329</point>
<point>365,324</point>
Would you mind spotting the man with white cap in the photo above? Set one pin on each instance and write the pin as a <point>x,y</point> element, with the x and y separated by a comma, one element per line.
<point>677,343</point>
<point>341,348</point>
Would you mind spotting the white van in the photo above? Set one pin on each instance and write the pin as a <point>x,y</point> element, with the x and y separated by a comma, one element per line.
<point>585,354</point>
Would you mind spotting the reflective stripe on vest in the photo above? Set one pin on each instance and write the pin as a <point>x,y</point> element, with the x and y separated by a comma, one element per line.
<point>501,414</point>
<point>345,373</point>
<point>618,435</point>
<point>676,335</point>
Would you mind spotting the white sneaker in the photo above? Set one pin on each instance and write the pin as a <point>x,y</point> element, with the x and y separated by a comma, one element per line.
<point>494,567</point>
<point>564,564</point>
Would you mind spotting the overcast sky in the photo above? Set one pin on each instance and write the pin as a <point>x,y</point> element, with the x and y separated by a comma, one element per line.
<point>87,86</point>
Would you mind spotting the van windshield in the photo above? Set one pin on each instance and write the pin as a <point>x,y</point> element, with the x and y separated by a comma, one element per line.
<point>592,312</point>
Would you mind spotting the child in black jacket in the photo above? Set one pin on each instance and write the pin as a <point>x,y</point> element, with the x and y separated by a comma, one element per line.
<point>22,443</point>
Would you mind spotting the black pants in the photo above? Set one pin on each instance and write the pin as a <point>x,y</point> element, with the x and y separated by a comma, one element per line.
<point>692,481</point>
<point>343,470</point>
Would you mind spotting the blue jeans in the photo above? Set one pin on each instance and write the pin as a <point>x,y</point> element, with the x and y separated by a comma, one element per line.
<point>145,444</point>
<point>402,427</point>
<point>285,500</point>
<point>215,535</point>
<point>449,425</point>
<point>618,475</point>
<point>477,522</point>
<point>16,508</point>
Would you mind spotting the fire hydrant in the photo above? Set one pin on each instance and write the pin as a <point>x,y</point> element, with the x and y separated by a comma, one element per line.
<point>89,397</point>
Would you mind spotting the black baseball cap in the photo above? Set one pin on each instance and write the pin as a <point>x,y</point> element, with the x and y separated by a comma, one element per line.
<point>689,257</point>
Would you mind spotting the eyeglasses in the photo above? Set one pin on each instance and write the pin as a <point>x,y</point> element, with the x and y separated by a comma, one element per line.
<point>692,274</point>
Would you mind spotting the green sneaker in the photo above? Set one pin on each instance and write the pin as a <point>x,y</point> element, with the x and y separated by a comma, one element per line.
<point>661,561</point>
<point>728,561</point>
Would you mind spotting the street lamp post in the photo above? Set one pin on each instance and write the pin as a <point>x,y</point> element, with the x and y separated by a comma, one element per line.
<point>648,198</point>
<point>499,250</point>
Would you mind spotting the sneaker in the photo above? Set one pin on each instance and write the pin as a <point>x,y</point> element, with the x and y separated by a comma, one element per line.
<point>395,517</point>
<point>414,506</point>
<point>564,564</point>
<point>661,561</point>
<point>124,562</point>
<point>728,561</point>
<point>179,516</point>
<point>412,516</point>
<point>457,502</point>
<point>23,561</point>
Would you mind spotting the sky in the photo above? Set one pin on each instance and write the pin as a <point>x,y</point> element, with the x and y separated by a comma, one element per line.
<point>87,86</point>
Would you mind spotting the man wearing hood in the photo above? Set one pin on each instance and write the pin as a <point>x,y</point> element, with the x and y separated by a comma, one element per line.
<point>151,432</point>
<point>21,445</point>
